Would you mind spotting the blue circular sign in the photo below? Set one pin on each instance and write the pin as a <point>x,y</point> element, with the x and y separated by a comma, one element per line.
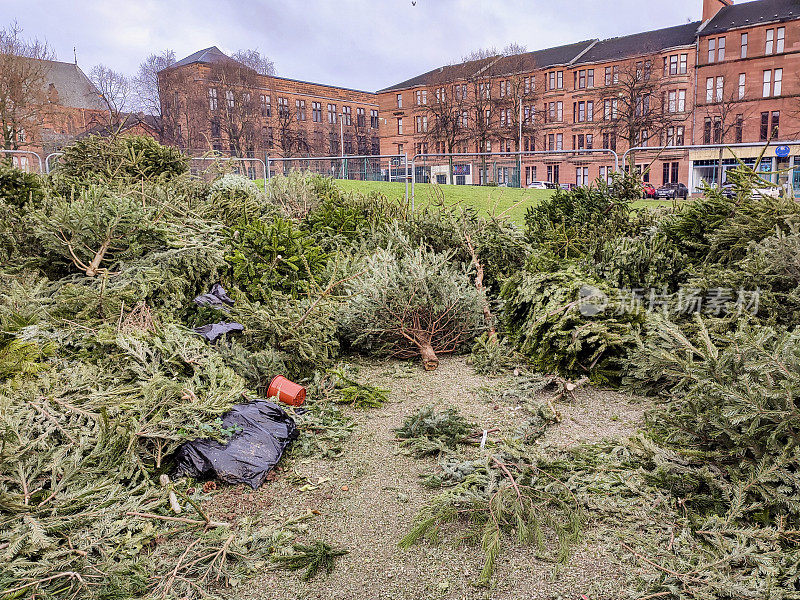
<point>782,151</point>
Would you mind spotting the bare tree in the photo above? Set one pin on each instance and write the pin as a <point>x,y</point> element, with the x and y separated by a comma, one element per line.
<point>723,121</point>
<point>511,49</point>
<point>635,107</point>
<point>147,95</point>
<point>23,97</point>
<point>253,59</point>
<point>235,108</point>
<point>115,92</point>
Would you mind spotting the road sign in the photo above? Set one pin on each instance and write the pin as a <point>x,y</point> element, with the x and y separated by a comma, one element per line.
<point>782,151</point>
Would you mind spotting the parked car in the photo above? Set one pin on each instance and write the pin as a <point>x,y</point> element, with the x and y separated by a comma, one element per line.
<point>551,186</point>
<point>648,190</point>
<point>537,185</point>
<point>728,190</point>
<point>673,190</point>
<point>772,192</point>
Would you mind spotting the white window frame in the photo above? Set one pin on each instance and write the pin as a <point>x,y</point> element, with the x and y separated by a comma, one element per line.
<point>742,85</point>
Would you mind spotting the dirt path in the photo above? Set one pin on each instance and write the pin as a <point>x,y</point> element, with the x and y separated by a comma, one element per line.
<point>368,499</point>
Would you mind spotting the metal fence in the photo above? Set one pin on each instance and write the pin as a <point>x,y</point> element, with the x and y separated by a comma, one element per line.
<point>252,168</point>
<point>381,167</point>
<point>20,159</point>
<point>507,169</point>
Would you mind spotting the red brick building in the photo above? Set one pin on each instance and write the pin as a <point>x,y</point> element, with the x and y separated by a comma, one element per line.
<point>68,107</point>
<point>730,78</point>
<point>212,102</point>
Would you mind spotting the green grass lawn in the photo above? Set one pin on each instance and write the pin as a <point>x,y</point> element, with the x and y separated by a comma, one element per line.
<point>509,202</point>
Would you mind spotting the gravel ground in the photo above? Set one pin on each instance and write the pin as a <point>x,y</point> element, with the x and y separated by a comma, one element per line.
<point>368,498</point>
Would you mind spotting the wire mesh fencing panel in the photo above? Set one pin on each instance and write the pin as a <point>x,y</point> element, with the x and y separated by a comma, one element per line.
<point>543,168</point>
<point>359,168</point>
<point>212,166</point>
<point>26,160</point>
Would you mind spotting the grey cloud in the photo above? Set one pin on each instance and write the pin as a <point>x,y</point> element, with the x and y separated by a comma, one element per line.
<point>365,44</point>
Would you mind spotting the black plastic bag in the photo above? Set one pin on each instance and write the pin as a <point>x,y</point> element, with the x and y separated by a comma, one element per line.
<point>214,330</point>
<point>265,431</point>
<point>217,298</point>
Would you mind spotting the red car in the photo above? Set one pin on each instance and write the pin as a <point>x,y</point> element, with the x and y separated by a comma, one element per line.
<point>648,190</point>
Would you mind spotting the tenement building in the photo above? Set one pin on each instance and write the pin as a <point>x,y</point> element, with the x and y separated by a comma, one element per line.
<point>731,78</point>
<point>211,102</point>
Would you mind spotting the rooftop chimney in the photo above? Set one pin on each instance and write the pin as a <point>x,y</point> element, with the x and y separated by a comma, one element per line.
<point>712,7</point>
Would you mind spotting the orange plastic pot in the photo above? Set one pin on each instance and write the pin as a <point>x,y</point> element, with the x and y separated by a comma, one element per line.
<point>286,391</point>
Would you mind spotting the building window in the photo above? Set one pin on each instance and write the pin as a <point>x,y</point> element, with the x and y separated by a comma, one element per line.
<point>684,66</point>
<point>373,120</point>
<point>559,141</point>
<point>505,88</point>
<point>739,129</point>
<point>361,118</point>
<point>770,43</point>
<point>399,100</point>
<point>721,49</point>
<point>316,112</point>
<point>300,109</point>
<point>720,89</point>
<point>673,64</point>
<point>332,114</point>
<point>215,129</point>
<point>229,98</point>
<point>212,98</point>
<point>422,124</point>
<point>764,126</point>
<point>742,82</point>
<point>463,122</point>
<point>681,101</point>
<point>485,89</point>
<point>709,90</point>
<point>527,85</point>
<point>680,135</point>
<point>266,105</point>
<point>400,126</point>
<point>743,53</point>
<point>781,40</point>
<point>422,97</point>
<point>712,50</point>
<point>672,103</point>
<point>582,176</point>
<point>767,84</point>
<point>777,84</point>
<point>707,130</point>
<point>347,115</point>
<point>776,117</point>
<point>552,173</point>
<point>283,107</point>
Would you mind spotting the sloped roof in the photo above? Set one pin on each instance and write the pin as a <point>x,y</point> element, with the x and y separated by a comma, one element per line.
<point>748,14</point>
<point>499,64</point>
<point>648,42</point>
<point>543,59</point>
<point>445,73</point>
<point>204,56</point>
<point>73,87</point>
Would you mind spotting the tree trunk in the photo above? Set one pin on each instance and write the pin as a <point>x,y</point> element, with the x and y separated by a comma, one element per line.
<point>429,358</point>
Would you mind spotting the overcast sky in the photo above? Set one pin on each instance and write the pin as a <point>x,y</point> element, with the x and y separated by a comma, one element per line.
<point>364,44</point>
